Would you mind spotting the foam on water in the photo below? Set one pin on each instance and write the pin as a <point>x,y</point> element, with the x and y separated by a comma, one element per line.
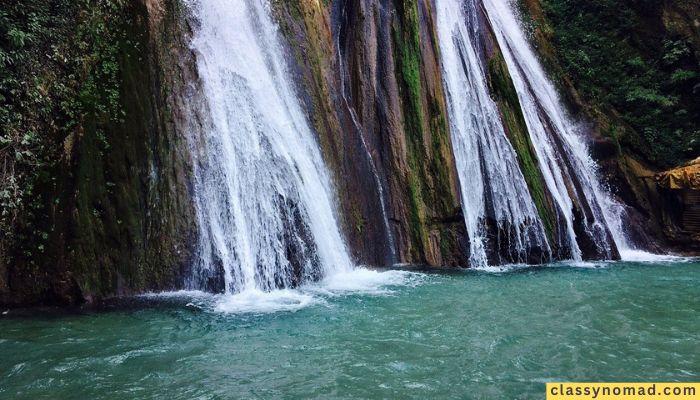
<point>633,255</point>
<point>258,301</point>
<point>583,264</point>
<point>500,269</point>
<point>192,294</point>
<point>368,281</point>
<point>360,281</point>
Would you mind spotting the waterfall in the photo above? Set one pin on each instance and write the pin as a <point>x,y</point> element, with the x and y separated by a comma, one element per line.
<point>569,172</point>
<point>263,195</point>
<point>493,188</point>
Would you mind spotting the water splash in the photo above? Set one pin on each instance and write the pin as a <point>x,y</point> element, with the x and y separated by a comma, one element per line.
<point>355,282</point>
<point>263,196</point>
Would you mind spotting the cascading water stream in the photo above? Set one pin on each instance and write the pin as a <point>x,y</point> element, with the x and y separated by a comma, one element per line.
<point>263,195</point>
<point>373,167</point>
<point>569,172</point>
<point>492,184</point>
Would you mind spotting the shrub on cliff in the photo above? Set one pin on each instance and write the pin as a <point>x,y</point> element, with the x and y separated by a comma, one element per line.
<point>58,64</point>
<point>627,57</point>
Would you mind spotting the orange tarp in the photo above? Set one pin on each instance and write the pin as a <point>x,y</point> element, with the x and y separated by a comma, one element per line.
<point>685,177</point>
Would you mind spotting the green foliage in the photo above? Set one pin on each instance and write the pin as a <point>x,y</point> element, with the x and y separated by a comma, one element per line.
<point>59,65</point>
<point>620,56</point>
<point>408,63</point>
<point>407,41</point>
<point>427,136</point>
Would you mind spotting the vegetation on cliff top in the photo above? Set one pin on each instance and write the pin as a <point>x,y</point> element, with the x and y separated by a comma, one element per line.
<point>624,59</point>
<point>58,67</point>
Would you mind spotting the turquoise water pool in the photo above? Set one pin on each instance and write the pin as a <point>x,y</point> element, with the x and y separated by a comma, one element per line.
<point>390,334</point>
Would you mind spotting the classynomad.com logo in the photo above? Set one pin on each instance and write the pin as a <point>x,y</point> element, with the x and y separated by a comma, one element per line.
<point>623,391</point>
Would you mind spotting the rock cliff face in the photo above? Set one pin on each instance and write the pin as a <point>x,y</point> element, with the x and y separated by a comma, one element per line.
<point>113,213</point>
<point>96,146</point>
<point>504,92</point>
<point>371,71</point>
<point>112,209</point>
<point>643,47</point>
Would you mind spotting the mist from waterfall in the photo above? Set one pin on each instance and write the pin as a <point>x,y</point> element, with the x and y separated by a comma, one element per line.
<point>263,196</point>
<point>493,188</point>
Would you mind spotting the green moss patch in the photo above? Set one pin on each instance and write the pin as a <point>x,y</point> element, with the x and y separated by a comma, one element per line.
<point>516,128</point>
